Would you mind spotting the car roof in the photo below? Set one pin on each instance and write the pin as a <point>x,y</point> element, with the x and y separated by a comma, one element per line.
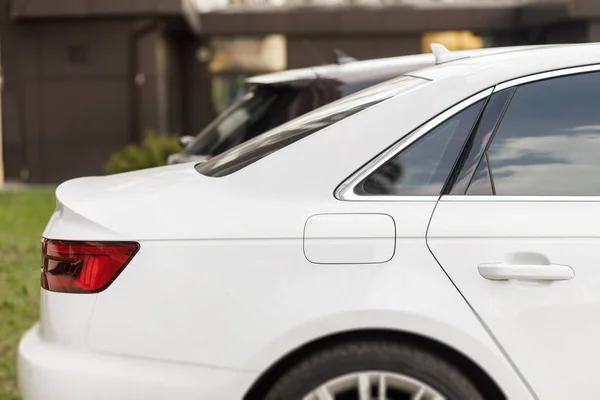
<point>398,65</point>
<point>500,67</point>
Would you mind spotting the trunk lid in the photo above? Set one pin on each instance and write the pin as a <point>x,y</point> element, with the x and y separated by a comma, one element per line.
<point>123,207</point>
<point>138,205</point>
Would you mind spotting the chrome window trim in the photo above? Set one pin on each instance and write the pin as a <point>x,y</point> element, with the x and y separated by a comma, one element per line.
<point>345,191</point>
<point>547,75</point>
<point>460,198</point>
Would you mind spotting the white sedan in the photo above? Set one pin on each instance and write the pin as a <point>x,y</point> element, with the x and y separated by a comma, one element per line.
<point>434,237</point>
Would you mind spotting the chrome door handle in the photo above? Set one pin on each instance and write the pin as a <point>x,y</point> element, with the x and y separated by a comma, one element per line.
<point>503,272</point>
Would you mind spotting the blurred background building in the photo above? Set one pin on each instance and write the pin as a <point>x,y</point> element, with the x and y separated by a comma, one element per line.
<point>84,78</point>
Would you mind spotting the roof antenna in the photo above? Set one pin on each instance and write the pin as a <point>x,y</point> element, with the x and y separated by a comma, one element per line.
<point>443,55</point>
<point>343,58</point>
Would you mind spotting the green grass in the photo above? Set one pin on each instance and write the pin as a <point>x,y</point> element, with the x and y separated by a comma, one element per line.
<point>23,215</point>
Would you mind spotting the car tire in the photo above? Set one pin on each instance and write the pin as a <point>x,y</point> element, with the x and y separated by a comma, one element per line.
<point>373,356</point>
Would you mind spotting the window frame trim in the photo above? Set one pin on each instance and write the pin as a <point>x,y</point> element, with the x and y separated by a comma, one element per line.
<point>546,75</point>
<point>488,198</point>
<point>450,189</point>
<point>345,191</point>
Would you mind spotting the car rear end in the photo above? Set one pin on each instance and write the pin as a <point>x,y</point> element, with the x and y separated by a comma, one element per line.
<point>81,259</point>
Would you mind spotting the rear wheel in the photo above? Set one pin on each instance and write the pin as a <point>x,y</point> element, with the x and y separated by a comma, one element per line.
<point>374,370</point>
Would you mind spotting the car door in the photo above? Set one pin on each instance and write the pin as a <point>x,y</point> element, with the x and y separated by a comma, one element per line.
<point>519,231</point>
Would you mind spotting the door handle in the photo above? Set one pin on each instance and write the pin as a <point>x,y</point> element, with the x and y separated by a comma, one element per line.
<point>503,272</point>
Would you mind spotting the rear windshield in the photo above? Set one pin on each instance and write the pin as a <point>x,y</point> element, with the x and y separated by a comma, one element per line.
<point>290,132</point>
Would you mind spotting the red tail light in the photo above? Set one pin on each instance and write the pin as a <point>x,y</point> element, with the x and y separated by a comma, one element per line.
<point>83,267</point>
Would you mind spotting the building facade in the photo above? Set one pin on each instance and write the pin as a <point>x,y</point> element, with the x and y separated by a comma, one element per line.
<point>85,78</point>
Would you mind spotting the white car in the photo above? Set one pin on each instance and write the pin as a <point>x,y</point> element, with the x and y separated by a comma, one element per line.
<point>434,237</point>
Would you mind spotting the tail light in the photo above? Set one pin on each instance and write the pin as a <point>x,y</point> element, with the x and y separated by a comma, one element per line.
<point>83,267</point>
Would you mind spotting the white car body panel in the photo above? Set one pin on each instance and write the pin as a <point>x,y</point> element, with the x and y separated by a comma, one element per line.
<point>64,373</point>
<point>533,321</point>
<point>65,328</point>
<point>150,310</point>
<point>222,287</point>
<point>263,325</point>
<point>349,238</point>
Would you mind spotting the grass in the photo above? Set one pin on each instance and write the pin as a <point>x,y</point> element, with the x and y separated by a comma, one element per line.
<point>23,215</point>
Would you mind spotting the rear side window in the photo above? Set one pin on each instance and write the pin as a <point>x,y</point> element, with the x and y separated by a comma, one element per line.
<point>548,143</point>
<point>423,168</point>
<point>288,133</point>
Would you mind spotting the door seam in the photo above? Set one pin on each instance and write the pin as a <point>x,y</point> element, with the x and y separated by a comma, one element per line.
<point>481,321</point>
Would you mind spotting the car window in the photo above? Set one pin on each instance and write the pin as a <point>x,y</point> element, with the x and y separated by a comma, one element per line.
<point>292,131</point>
<point>482,180</point>
<point>423,167</point>
<point>548,142</point>
<point>477,143</point>
<point>256,112</point>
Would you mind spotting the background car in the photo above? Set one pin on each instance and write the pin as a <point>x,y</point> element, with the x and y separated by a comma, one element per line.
<point>279,97</point>
<point>434,237</point>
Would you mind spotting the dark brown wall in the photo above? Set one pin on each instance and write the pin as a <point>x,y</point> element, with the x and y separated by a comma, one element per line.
<point>71,97</point>
<point>308,51</point>
<point>594,31</point>
<point>68,95</point>
<point>87,8</point>
<point>196,96</point>
<point>188,84</point>
<point>145,104</point>
<point>585,8</point>
<point>567,32</point>
<point>80,98</point>
<point>392,20</point>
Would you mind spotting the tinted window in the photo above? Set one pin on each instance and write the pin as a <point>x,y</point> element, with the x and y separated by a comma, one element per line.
<point>476,144</point>
<point>548,142</point>
<point>286,134</point>
<point>258,111</point>
<point>482,181</point>
<point>423,168</point>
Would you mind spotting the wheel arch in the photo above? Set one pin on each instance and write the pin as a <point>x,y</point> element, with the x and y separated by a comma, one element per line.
<point>482,380</point>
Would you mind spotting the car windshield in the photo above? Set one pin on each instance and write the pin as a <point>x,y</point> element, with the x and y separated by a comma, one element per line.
<point>292,131</point>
